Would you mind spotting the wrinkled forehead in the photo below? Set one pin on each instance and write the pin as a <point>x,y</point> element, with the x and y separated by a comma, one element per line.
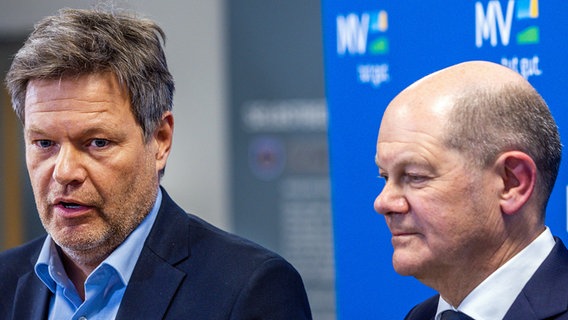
<point>425,106</point>
<point>416,111</point>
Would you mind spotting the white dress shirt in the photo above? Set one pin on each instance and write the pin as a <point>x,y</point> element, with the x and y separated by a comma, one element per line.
<point>493,297</point>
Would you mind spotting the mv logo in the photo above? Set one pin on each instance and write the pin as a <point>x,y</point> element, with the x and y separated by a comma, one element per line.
<point>491,21</point>
<point>359,34</point>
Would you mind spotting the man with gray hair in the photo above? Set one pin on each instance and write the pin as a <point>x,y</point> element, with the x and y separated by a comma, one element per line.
<point>470,155</point>
<point>94,94</point>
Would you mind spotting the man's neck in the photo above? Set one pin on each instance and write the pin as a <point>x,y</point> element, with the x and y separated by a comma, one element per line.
<point>79,266</point>
<point>457,284</point>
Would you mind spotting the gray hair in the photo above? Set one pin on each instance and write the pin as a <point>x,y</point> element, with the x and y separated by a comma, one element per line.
<point>77,42</point>
<point>485,123</point>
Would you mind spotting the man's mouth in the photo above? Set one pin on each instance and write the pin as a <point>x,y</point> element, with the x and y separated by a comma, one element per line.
<point>70,209</point>
<point>399,234</point>
<point>70,205</point>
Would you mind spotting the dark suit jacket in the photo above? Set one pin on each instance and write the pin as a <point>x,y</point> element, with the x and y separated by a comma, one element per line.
<point>545,296</point>
<point>188,269</point>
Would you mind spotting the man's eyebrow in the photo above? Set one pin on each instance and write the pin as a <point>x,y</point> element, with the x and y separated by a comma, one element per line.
<point>406,162</point>
<point>34,131</point>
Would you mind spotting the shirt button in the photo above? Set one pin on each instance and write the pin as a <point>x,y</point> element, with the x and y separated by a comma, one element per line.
<point>82,318</point>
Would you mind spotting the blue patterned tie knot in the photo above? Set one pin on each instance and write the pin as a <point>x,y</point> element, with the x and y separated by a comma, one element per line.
<point>455,315</point>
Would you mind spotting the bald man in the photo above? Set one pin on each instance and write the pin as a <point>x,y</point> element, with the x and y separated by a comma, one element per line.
<point>469,156</point>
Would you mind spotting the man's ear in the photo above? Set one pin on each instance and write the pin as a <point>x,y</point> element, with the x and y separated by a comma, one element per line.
<point>518,173</point>
<point>163,137</point>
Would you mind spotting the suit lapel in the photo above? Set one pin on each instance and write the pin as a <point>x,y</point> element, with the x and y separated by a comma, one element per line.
<point>150,289</point>
<point>155,279</point>
<point>545,294</point>
<point>32,298</point>
<point>425,310</point>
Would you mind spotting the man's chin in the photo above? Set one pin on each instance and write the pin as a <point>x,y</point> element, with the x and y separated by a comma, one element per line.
<point>405,265</point>
<point>78,242</point>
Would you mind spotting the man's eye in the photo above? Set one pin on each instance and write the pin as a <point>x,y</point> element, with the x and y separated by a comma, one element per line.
<point>415,178</point>
<point>99,143</point>
<point>44,143</point>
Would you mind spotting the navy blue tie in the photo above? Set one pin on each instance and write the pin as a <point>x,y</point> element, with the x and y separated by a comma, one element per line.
<point>455,315</point>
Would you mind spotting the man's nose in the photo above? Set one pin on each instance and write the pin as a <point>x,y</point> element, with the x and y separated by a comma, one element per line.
<point>391,200</point>
<point>69,167</point>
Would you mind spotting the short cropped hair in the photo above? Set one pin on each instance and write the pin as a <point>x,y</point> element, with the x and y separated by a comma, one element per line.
<point>486,122</point>
<point>77,42</point>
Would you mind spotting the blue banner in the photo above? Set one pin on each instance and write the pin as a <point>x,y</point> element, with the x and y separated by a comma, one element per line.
<point>373,50</point>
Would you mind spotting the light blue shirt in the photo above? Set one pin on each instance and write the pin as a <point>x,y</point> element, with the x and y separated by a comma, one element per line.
<point>104,287</point>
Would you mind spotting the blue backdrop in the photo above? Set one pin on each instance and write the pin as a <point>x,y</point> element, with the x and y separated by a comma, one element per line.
<point>373,50</point>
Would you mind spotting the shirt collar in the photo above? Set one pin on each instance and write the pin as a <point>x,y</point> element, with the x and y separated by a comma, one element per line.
<point>50,271</point>
<point>493,297</point>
